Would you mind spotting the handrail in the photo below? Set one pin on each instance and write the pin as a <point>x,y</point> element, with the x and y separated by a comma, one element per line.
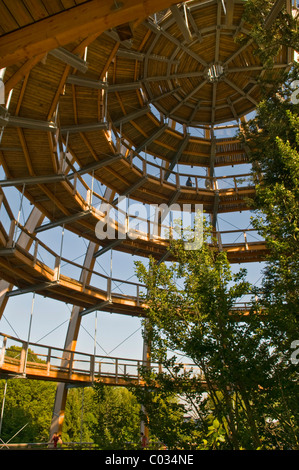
<point>58,259</point>
<point>37,242</point>
<point>210,183</point>
<point>73,365</point>
<point>151,225</point>
<point>48,445</point>
<point>208,180</point>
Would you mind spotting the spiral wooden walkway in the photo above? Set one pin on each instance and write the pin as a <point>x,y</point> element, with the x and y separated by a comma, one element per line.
<point>99,106</point>
<point>135,96</point>
<point>24,268</point>
<point>76,368</point>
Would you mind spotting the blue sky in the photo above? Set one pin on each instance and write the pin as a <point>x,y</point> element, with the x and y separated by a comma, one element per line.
<point>116,335</point>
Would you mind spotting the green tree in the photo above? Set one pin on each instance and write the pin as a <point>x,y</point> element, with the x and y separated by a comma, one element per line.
<point>176,411</point>
<point>272,138</point>
<point>162,410</point>
<point>79,415</point>
<point>191,310</point>
<point>117,417</point>
<point>27,403</point>
<point>283,31</point>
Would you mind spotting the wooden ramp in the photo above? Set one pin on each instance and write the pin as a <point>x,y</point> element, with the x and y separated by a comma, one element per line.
<point>75,368</point>
<point>28,273</point>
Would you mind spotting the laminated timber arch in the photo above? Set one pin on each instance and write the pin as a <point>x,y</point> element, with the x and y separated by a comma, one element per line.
<point>96,87</point>
<point>155,70</point>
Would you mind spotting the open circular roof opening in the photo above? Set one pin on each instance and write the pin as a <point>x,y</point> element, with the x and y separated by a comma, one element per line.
<point>215,73</point>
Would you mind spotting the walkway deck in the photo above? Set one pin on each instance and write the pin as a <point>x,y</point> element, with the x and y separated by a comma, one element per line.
<point>30,274</point>
<point>76,368</point>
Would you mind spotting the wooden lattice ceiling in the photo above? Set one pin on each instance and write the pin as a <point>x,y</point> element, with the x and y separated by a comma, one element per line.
<point>180,65</point>
<point>210,76</point>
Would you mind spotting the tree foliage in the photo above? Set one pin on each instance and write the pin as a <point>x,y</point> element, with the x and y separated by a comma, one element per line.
<point>250,385</point>
<point>272,138</point>
<point>117,418</point>
<point>80,416</point>
<point>283,31</point>
<point>27,403</point>
<point>246,396</point>
<point>251,379</point>
<point>106,416</point>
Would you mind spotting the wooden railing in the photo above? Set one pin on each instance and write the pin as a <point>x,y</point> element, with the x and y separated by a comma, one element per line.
<point>178,178</point>
<point>62,266</point>
<point>23,358</point>
<point>48,446</point>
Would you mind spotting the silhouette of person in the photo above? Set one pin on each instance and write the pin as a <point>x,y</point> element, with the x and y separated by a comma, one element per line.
<point>55,439</point>
<point>143,440</point>
<point>189,182</point>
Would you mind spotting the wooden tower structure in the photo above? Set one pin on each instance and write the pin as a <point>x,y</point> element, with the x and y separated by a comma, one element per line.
<point>138,96</point>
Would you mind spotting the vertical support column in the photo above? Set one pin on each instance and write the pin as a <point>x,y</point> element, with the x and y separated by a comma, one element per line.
<point>146,359</point>
<point>34,220</point>
<point>2,86</point>
<point>158,216</point>
<point>214,186</point>
<point>57,267</point>
<point>105,100</point>
<point>70,344</point>
<point>72,336</point>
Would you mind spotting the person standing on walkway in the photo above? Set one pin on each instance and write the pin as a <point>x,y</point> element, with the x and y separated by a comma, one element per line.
<point>143,441</point>
<point>55,440</point>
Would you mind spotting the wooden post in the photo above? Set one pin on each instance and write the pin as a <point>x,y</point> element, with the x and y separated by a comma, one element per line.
<point>146,361</point>
<point>22,366</point>
<point>116,370</point>
<point>138,299</point>
<point>2,356</point>
<point>49,361</point>
<point>71,363</point>
<point>92,367</point>
<point>71,339</point>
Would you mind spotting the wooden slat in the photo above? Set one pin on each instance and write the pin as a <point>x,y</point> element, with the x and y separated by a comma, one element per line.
<point>37,9</point>
<point>8,21</point>
<point>84,20</point>
<point>19,12</point>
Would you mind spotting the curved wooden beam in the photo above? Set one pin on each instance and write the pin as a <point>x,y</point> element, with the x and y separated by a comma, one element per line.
<point>73,24</point>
